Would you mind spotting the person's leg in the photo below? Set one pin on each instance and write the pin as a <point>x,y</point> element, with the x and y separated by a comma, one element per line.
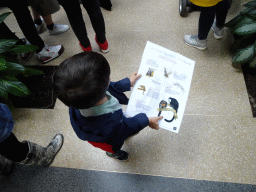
<point>106,4</point>
<point>45,53</point>
<point>205,21</point>
<point>221,12</point>
<point>6,33</point>
<point>30,153</point>
<point>14,150</point>
<point>93,9</point>
<point>75,17</point>
<point>53,29</point>
<point>36,15</point>
<point>26,23</point>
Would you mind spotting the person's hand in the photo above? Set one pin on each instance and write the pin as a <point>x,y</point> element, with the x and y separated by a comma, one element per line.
<point>134,77</point>
<point>153,122</point>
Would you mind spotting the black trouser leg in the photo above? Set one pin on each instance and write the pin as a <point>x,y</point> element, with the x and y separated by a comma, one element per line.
<point>93,9</point>
<point>6,33</point>
<point>205,21</point>
<point>221,12</point>
<point>75,17</point>
<point>25,21</point>
<point>13,150</point>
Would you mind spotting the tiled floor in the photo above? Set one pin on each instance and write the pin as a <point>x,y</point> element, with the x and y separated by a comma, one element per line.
<point>216,141</point>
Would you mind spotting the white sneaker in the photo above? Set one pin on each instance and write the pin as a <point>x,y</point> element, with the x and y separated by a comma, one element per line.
<point>58,29</point>
<point>39,28</point>
<point>193,40</point>
<point>49,53</point>
<point>218,33</point>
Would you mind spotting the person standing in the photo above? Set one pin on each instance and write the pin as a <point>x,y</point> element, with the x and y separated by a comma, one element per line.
<point>22,14</point>
<point>26,152</point>
<point>74,14</point>
<point>209,9</point>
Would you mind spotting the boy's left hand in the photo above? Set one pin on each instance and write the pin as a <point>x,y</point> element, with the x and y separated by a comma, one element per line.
<point>134,77</point>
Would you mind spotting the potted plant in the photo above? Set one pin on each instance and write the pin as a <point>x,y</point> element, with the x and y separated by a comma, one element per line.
<point>243,27</point>
<point>9,68</point>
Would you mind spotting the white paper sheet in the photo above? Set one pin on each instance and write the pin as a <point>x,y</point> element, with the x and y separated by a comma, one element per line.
<point>165,84</point>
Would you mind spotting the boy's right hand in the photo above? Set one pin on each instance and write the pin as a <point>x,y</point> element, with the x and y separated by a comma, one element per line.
<point>153,122</point>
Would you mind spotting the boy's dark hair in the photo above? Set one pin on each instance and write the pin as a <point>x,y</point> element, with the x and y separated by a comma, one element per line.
<point>82,80</point>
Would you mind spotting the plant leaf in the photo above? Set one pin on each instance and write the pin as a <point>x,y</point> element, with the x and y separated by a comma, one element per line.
<point>6,44</point>
<point>246,29</point>
<point>3,16</point>
<point>2,56</point>
<point>31,72</point>
<point>3,93</point>
<point>234,21</point>
<point>243,41</point>
<point>250,4</point>
<point>244,20</point>
<point>13,69</point>
<point>245,11</point>
<point>243,56</point>
<point>13,86</point>
<point>252,14</point>
<point>252,64</point>
<point>23,48</point>
<point>2,64</point>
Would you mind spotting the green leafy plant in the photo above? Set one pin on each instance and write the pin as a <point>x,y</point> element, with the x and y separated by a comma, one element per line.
<point>243,27</point>
<point>9,68</point>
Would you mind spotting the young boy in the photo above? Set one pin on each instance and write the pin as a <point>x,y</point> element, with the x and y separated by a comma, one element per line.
<point>82,82</point>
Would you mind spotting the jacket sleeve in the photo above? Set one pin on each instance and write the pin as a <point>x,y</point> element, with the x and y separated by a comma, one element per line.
<point>126,128</point>
<point>122,85</point>
<point>117,88</point>
<point>6,122</point>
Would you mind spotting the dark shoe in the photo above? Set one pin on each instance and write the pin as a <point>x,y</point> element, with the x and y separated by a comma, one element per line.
<point>39,155</point>
<point>6,166</point>
<point>120,155</point>
<point>26,56</point>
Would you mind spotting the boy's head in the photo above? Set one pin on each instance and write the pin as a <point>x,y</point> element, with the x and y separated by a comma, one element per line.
<point>82,80</point>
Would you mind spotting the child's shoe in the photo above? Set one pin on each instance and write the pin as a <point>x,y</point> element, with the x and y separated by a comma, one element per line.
<point>49,53</point>
<point>218,33</point>
<point>120,155</point>
<point>103,46</point>
<point>58,29</point>
<point>193,40</point>
<point>85,48</point>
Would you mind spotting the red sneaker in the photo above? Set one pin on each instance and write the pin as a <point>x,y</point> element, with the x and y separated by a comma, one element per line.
<point>103,46</point>
<point>85,48</point>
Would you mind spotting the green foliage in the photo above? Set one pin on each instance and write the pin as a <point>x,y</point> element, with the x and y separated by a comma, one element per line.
<point>243,26</point>
<point>9,68</point>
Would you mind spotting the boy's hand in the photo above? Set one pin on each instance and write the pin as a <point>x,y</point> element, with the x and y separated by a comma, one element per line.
<point>153,122</point>
<point>134,77</point>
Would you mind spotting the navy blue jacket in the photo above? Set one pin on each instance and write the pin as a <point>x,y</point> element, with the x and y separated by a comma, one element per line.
<point>110,128</point>
<point>6,122</point>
